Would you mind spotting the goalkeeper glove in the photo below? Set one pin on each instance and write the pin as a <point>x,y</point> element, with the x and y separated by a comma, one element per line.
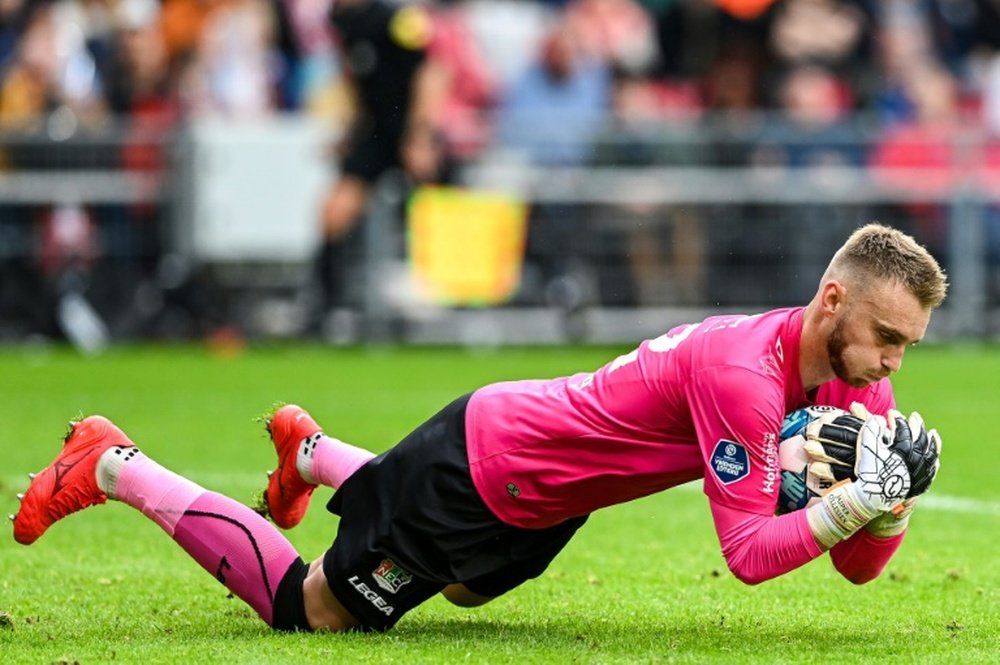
<point>848,507</point>
<point>894,523</point>
<point>831,443</point>
<point>888,473</point>
<point>919,449</point>
<point>883,473</point>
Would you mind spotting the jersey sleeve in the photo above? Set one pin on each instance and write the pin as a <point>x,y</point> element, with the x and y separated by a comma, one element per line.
<point>862,557</point>
<point>737,414</point>
<point>760,547</point>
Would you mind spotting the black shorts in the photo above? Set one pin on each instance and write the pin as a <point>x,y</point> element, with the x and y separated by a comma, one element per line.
<point>373,149</point>
<point>412,522</point>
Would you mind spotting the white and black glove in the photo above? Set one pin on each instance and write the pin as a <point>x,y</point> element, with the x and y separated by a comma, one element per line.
<point>894,522</point>
<point>919,449</point>
<point>882,473</point>
<point>922,450</point>
<point>901,465</point>
<point>831,446</point>
<point>891,465</point>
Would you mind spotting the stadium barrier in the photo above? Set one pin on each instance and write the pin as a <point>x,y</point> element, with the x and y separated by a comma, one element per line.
<point>215,224</point>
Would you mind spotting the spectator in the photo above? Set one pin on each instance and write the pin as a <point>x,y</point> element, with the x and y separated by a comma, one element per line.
<point>554,111</point>
<point>551,117</point>
<point>917,153</point>
<point>311,60</point>
<point>923,156</point>
<point>52,68</point>
<point>833,34</point>
<point>232,71</point>
<point>813,126</point>
<point>620,32</point>
<point>49,91</point>
<point>509,33</point>
<point>468,86</point>
<point>384,47</point>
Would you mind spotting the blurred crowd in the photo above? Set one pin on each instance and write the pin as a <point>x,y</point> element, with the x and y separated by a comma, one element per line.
<point>157,61</point>
<point>889,83</point>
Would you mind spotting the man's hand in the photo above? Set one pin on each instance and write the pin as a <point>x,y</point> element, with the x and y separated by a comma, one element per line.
<point>892,466</point>
<point>919,449</point>
<point>883,475</point>
<point>888,525</point>
<point>831,446</point>
<point>881,480</point>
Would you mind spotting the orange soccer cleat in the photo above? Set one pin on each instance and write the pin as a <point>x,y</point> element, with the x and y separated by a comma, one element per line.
<point>68,484</point>
<point>287,495</point>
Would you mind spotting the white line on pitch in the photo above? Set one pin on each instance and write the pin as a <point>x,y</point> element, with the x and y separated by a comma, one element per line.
<point>958,504</point>
<point>212,479</point>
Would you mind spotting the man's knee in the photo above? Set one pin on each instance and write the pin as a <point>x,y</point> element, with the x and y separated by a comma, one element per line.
<point>459,594</point>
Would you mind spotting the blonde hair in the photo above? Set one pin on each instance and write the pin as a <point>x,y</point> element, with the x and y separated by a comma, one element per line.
<point>877,252</point>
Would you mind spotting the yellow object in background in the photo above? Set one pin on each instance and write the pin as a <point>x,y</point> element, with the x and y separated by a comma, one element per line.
<point>466,247</point>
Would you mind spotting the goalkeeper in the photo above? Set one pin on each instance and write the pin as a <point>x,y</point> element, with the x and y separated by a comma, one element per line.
<point>485,494</point>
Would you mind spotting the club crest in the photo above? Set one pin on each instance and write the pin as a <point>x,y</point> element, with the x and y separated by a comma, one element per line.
<point>390,576</point>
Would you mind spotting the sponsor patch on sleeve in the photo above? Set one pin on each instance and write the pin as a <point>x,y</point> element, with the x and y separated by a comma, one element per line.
<point>730,462</point>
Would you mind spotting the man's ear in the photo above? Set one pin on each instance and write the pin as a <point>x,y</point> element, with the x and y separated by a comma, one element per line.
<point>833,297</point>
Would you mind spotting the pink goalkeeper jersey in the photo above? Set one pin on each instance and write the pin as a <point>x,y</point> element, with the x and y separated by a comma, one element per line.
<point>703,400</point>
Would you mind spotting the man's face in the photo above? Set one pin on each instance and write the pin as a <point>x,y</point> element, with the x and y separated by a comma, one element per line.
<point>872,332</point>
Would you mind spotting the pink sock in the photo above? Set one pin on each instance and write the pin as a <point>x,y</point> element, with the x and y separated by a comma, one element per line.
<point>236,545</point>
<point>333,461</point>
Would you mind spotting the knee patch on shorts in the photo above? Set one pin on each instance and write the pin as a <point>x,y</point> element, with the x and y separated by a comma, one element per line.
<point>289,602</point>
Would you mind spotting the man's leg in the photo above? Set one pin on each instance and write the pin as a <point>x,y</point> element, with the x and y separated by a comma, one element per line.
<point>241,549</point>
<point>343,207</point>
<point>460,595</point>
<point>306,458</point>
<point>322,608</point>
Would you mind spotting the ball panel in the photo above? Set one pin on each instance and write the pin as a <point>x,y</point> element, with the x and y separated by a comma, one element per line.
<point>800,485</point>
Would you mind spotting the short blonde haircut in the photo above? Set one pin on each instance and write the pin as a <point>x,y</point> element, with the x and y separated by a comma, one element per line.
<point>877,252</point>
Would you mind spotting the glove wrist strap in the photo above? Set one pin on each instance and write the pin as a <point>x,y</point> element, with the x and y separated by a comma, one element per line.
<point>887,525</point>
<point>842,511</point>
<point>894,522</point>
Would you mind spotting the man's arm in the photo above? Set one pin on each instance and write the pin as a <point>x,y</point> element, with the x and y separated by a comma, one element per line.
<point>759,547</point>
<point>862,557</point>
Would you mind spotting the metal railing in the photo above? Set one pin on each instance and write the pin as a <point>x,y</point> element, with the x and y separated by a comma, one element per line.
<point>615,251</point>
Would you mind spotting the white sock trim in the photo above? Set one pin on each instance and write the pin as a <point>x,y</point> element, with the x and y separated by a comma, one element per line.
<point>304,457</point>
<point>110,465</point>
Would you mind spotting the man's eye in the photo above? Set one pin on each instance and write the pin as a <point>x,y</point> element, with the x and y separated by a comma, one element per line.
<point>888,337</point>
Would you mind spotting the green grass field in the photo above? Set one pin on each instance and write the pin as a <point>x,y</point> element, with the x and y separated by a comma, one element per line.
<point>642,582</point>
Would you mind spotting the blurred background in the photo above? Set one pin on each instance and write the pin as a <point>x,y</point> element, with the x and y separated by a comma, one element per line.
<point>480,171</point>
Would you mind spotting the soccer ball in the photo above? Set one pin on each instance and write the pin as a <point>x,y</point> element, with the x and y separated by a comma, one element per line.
<point>801,482</point>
